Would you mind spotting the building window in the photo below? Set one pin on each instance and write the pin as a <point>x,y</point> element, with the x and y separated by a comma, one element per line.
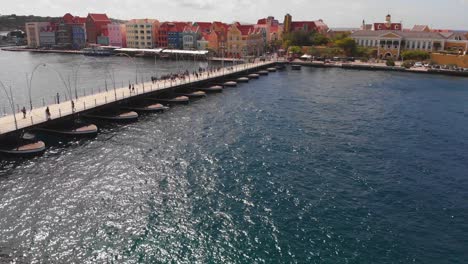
<point>418,45</point>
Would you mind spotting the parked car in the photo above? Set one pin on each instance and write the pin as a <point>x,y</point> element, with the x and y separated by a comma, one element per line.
<point>418,64</point>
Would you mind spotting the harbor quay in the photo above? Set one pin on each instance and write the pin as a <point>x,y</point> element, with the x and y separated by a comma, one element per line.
<point>37,117</point>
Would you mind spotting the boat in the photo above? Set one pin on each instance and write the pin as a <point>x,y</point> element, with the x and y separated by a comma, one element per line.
<point>272,69</point>
<point>177,100</point>
<point>212,89</point>
<point>196,94</point>
<point>149,108</point>
<point>296,67</point>
<point>230,84</point>
<point>96,50</point>
<point>263,72</point>
<point>243,79</point>
<point>84,130</point>
<point>254,76</point>
<point>124,116</point>
<point>23,148</point>
<point>280,67</point>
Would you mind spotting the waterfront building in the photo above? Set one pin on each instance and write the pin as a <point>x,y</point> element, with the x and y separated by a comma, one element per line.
<point>63,35</point>
<point>217,42</point>
<point>202,43</point>
<point>103,40</point>
<point>47,34</point>
<point>78,33</point>
<point>96,26</point>
<point>114,34</point>
<point>306,26</point>
<point>170,35</point>
<point>71,32</point>
<point>32,33</point>
<point>391,43</point>
<point>190,37</point>
<point>235,43</point>
<point>142,33</point>
<point>271,30</point>
<point>245,40</point>
<point>175,34</point>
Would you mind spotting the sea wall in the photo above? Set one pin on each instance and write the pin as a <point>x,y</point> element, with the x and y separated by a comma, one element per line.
<point>446,59</point>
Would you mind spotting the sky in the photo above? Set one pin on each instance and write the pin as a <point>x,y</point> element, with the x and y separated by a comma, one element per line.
<point>440,14</point>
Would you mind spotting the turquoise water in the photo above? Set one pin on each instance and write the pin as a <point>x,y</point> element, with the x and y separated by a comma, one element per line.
<point>311,166</point>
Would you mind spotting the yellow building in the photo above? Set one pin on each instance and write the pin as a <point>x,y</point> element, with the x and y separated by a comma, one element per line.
<point>235,43</point>
<point>142,33</point>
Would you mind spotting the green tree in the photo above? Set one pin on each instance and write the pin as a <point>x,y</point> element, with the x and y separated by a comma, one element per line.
<point>319,39</point>
<point>390,63</point>
<point>415,55</point>
<point>313,51</point>
<point>348,45</point>
<point>295,49</point>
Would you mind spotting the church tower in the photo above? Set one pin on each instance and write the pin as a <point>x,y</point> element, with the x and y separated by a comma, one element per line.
<point>388,20</point>
<point>287,23</point>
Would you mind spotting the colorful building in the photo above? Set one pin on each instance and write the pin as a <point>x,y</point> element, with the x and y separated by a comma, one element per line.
<point>32,33</point>
<point>96,26</point>
<point>142,33</point>
<point>235,43</point>
<point>175,34</point>
<point>78,33</point>
<point>306,26</point>
<point>41,34</point>
<point>203,43</point>
<point>115,34</point>
<point>47,34</point>
<point>190,37</point>
<point>71,32</point>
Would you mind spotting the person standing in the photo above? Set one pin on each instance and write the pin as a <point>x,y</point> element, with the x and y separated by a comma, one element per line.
<point>73,106</point>
<point>58,98</point>
<point>23,110</point>
<point>47,112</point>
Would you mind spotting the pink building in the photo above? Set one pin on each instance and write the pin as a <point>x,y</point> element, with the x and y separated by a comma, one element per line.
<point>116,34</point>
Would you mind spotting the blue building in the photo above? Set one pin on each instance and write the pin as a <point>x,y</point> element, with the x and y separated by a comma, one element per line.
<point>78,36</point>
<point>175,40</point>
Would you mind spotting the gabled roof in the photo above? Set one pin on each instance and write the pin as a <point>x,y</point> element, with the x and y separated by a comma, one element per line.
<point>301,24</point>
<point>204,26</point>
<point>245,29</point>
<point>99,17</point>
<point>420,28</point>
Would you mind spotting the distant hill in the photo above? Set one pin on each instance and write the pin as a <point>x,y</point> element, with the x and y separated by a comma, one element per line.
<point>12,22</point>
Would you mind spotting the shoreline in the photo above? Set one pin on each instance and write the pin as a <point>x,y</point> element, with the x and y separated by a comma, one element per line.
<point>378,67</point>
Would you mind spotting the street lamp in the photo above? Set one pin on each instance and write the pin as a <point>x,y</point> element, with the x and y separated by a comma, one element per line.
<point>67,87</point>
<point>11,101</point>
<point>133,60</point>
<point>29,83</point>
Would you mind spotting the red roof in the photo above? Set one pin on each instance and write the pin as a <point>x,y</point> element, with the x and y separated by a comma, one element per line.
<point>99,17</point>
<point>204,26</point>
<point>245,29</point>
<point>262,21</point>
<point>221,25</point>
<point>301,24</point>
<point>70,19</point>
